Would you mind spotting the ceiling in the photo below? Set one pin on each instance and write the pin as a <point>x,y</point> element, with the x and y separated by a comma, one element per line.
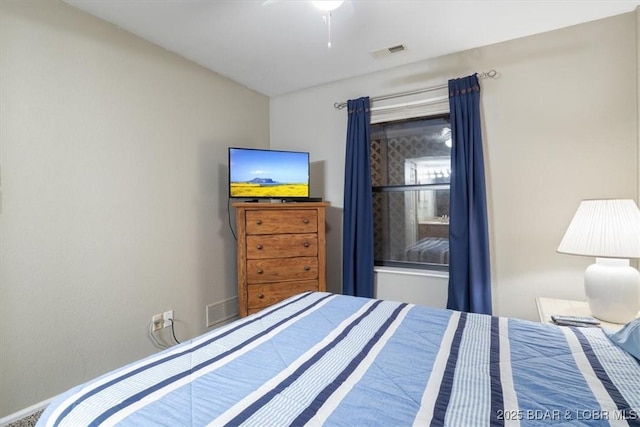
<point>280,46</point>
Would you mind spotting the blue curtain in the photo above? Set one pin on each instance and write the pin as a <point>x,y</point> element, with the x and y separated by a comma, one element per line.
<point>357,235</point>
<point>469,270</point>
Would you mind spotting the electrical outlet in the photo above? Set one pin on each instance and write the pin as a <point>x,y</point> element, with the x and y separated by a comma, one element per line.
<point>157,322</point>
<point>167,316</point>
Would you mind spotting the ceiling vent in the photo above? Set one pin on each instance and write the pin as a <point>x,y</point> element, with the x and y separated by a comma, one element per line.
<point>388,51</point>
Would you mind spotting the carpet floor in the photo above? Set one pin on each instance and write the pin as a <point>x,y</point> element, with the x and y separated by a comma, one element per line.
<point>28,421</point>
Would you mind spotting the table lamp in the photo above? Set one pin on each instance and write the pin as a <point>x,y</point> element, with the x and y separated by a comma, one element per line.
<point>608,230</point>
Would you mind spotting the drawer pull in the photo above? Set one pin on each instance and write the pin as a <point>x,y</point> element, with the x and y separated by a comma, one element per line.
<point>306,244</point>
<point>260,271</point>
<point>307,268</point>
<point>306,221</point>
<point>260,296</point>
<point>259,247</point>
<point>259,222</point>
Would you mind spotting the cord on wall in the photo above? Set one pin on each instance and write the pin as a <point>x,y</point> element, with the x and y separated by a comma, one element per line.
<point>154,339</point>
<point>173,333</point>
<point>229,216</point>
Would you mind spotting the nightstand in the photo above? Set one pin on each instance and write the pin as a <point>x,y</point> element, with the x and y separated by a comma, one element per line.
<point>549,306</point>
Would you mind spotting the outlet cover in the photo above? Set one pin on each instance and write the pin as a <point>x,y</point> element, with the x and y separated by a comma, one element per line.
<point>157,322</point>
<point>167,317</point>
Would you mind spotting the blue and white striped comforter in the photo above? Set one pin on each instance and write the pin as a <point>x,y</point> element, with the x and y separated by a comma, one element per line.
<point>324,359</point>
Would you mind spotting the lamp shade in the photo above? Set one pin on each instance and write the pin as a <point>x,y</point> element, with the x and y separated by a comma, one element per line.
<point>608,228</point>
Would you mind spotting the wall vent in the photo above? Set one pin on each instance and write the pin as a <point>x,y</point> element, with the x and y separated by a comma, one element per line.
<point>221,311</point>
<point>388,51</point>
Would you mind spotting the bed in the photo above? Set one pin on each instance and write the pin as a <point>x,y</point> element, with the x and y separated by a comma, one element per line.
<point>324,359</point>
<point>431,250</point>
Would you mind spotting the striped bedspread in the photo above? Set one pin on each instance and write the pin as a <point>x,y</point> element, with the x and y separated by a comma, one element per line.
<point>324,359</point>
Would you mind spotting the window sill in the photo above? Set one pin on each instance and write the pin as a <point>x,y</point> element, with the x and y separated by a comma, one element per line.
<point>411,271</point>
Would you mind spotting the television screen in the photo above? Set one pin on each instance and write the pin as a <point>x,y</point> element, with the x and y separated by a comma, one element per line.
<point>268,174</point>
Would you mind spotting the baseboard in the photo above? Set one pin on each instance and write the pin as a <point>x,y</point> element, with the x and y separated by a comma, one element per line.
<point>24,413</point>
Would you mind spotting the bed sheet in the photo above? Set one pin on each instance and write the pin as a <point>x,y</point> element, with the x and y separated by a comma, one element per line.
<point>431,250</point>
<point>324,359</point>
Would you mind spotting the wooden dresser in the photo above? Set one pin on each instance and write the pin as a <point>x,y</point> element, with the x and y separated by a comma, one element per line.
<point>281,252</point>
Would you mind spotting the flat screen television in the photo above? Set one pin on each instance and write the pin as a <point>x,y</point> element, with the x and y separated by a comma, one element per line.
<point>268,174</point>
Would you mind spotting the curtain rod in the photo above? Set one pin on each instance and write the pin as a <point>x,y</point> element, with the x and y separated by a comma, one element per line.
<point>341,105</point>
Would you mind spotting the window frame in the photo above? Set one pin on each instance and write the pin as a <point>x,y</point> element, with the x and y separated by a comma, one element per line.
<point>422,266</point>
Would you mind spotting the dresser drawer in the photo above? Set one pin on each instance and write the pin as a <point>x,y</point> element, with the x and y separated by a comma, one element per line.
<point>289,221</point>
<point>280,269</point>
<point>282,246</point>
<point>260,296</point>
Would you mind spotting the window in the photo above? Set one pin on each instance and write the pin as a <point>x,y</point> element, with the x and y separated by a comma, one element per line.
<point>410,175</point>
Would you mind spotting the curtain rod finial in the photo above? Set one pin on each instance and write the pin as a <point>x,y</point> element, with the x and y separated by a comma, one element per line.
<point>490,73</point>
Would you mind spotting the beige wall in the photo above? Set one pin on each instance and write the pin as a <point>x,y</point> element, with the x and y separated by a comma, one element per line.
<point>637,17</point>
<point>560,125</point>
<point>113,195</point>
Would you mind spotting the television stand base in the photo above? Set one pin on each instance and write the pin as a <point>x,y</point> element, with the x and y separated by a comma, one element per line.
<point>302,200</point>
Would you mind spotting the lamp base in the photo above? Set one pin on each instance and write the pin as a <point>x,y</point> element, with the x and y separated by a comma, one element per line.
<point>612,287</point>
